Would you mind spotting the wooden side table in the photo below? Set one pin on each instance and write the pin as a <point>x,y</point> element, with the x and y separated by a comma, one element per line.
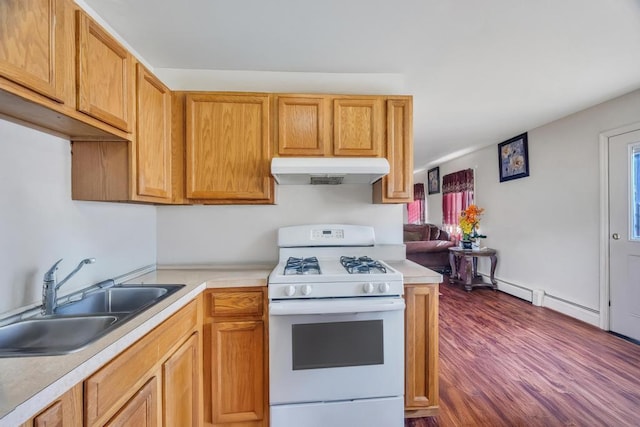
<point>464,267</point>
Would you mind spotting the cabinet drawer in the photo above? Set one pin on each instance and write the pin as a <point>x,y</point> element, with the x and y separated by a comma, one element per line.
<point>247,303</point>
<point>111,384</point>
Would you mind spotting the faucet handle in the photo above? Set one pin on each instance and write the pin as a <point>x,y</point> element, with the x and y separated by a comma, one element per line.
<point>50,275</point>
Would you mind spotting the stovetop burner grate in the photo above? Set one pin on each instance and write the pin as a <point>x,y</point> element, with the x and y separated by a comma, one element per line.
<point>308,265</point>
<point>361,265</point>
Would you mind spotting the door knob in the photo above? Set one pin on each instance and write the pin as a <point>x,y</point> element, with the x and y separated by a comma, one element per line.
<point>615,236</point>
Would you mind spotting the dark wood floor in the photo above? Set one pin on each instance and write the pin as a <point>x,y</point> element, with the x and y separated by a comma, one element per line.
<point>505,362</point>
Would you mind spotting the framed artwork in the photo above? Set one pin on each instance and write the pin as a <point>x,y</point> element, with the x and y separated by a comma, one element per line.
<point>433,180</point>
<point>513,158</point>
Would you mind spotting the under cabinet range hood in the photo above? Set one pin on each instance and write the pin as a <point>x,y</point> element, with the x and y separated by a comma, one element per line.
<point>328,170</point>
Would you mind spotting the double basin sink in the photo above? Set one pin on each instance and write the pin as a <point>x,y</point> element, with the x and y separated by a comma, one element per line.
<point>76,324</point>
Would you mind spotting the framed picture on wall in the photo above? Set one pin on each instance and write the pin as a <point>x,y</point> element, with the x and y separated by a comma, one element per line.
<point>433,180</point>
<point>513,158</point>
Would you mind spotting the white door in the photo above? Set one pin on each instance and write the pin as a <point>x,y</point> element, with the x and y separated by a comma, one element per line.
<point>624,238</point>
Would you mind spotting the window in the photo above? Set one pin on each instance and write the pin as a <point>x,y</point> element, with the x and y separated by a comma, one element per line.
<point>457,195</point>
<point>416,209</point>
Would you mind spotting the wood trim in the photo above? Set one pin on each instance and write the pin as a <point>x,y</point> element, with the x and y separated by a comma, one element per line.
<point>178,148</point>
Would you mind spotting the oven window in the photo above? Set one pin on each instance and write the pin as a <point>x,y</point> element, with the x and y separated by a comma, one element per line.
<point>337,344</point>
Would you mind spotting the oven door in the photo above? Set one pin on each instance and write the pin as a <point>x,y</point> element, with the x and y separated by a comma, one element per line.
<point>336,349</point>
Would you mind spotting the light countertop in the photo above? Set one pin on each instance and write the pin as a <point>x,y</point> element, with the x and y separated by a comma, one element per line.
<point>29,383</point>
<point>415,273</point>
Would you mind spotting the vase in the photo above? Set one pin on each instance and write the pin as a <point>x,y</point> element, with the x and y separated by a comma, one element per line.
<point>466,244</point>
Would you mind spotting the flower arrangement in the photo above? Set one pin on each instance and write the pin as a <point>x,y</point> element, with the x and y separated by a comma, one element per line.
<point>469,221</point>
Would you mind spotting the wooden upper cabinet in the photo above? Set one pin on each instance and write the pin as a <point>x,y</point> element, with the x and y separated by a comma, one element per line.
<point>105,75</point>
<point>303,126</point>
<point>397,187</point>
<point>358,126</point>
<point>228,149</point>
<point>153,137</point>
<point>36,46</point>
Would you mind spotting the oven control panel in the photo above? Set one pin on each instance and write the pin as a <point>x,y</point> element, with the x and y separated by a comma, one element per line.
<point>327,234</point>
<point>326,290</point>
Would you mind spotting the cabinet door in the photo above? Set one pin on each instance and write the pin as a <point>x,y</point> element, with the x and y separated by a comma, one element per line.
<point>358,126</point>
<point>64,412</point>
<point>228,148</point>
<point>36,45</point>
<point>105,75</point>
<point>421,341</point>
<point>153,137</point>
<point>397,187</point>
<point>181,386</point>
<point>141,410</point>
<point>303,126</point>
<point>235,360</point>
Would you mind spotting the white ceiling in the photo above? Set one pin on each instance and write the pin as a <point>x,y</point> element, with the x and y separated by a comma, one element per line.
<point>480,71</point>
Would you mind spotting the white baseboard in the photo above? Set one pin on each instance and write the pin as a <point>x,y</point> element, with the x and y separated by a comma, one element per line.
<point>572,310</point>
<point>557,304</point>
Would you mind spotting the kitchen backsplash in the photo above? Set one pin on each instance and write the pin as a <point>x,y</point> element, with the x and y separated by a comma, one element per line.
<point>39,223</point>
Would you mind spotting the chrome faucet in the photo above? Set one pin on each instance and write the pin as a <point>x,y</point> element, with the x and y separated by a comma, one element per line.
<point>50,287</point>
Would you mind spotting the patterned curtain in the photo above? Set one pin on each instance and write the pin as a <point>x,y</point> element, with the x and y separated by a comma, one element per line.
<point>457,195</point>
<point>416,209</point>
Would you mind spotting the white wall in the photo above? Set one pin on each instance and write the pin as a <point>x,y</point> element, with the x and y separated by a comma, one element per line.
<point>232,234</point>
<point>546,226</point>
<point>39,223</point>
<point>207,234</point>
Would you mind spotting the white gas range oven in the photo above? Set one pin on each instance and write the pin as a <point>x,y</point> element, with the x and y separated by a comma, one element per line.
<point>336,331</point>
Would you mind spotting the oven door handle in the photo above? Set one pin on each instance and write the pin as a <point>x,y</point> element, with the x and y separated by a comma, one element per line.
<point>290,308</point>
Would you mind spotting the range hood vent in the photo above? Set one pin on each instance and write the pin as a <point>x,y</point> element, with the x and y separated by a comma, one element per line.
<point>328,170</point>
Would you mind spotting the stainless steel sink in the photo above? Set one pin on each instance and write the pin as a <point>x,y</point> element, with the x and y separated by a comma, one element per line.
<point>57,335</point>
<point>119,299</point>
<point>78,323</point>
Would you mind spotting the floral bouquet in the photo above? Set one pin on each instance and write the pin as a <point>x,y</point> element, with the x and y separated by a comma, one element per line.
<point>469,222</point>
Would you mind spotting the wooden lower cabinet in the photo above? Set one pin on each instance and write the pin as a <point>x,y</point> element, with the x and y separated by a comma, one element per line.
<point>141,410</point>
<point>235,357</point>
<point>66,411</point>
<point>129,391</point>
<point>181,377</point>
<point>421,350</point>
